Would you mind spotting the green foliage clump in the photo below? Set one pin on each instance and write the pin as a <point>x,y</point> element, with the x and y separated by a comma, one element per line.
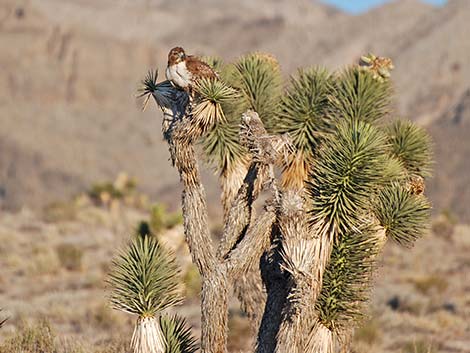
<point>359,95</point>
<point>122,187</point>
<point>257,76</point>
<point>304,115</point>
<point>257,79</point>
<point>159,221</point>
<point>303,112</point>
<point>207,110</point>
<point>178,337</point>
<point>144,278</point>
<point>222,148</point>
<point>346,279</point>
<point>349,168</point>
<point>411,145</point>
<point>402,214</point>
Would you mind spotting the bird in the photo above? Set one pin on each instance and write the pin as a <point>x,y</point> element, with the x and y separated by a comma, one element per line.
<point>185,70</point>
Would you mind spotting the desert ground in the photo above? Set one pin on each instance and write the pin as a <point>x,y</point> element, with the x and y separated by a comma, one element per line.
<point>70,120</point>
<point>54,265</point>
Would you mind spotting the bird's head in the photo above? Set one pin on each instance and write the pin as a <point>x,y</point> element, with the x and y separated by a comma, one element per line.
<point>176,55</point>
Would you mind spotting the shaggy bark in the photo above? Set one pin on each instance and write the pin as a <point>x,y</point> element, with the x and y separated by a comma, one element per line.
<point>230,182</point>
<point>243,241</point>
<point>297,261</point>
<point>250,291</point>
<point>249,287</point>
<point>214,284</point>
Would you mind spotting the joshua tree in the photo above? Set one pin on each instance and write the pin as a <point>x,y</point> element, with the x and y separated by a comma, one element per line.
<point>144,282</point>
<point>340,176</point>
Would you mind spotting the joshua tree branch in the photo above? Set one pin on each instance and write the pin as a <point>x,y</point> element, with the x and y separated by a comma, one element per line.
<point>249,286</point>
<point>193,198</point>
<point>214,283</point>
<point>251,293</point>
<point>239,214</point>
<point>259,176</point>
<point>252,246</point>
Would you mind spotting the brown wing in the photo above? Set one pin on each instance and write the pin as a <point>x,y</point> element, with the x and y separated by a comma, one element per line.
<point>199,69</point>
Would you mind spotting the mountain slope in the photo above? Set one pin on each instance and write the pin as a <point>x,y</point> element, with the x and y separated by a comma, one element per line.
<point>70,70</point>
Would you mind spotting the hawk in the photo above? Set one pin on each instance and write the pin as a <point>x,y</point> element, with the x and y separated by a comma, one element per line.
<point>184,70</point>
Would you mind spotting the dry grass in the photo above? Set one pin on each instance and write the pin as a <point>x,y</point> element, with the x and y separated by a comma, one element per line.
<point>369,332</point>
<point>429,284</point>
<point>418,347</point>
<point>37,338</point>
<point>70,256</point>
<point>36,283</point>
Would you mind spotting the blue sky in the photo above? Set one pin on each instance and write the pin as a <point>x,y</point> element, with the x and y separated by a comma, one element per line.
<point>358,6</point>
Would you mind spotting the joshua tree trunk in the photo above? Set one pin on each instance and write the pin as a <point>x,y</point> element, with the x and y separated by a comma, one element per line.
<point>241,244</point>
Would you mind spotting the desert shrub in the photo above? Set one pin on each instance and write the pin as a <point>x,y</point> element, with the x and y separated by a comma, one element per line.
<point>427,284</point>
<point>60,211</point>
<point>160,219</point>
<point>103,317</point>
<point>104,192</point>
<point>418,346</point>
<point>368,332</point>
<point>70,256</point>
<point>44,262</point>
<point>192,282</point>
<point>31,339</point>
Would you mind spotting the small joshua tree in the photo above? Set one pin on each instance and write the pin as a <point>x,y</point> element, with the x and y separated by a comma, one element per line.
<point>350,178</point>
<point>144,282</point>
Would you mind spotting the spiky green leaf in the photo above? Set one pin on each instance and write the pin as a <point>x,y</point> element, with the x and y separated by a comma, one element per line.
<point>349,169</point>
<point>303,115</point>
<point>178,336</point>
<point>144,278</point>
<point>222,148</point>
<point>257,77</point>
<point>358,95</point>
<point>411,144</point>
<point>208,108</point>
<point>215,91</point>
<point>403,214</point>
<point>304,109</point>
<point>346,280</point>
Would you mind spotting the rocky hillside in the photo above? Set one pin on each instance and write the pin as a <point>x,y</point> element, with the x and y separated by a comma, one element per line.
<point>70,69</point>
